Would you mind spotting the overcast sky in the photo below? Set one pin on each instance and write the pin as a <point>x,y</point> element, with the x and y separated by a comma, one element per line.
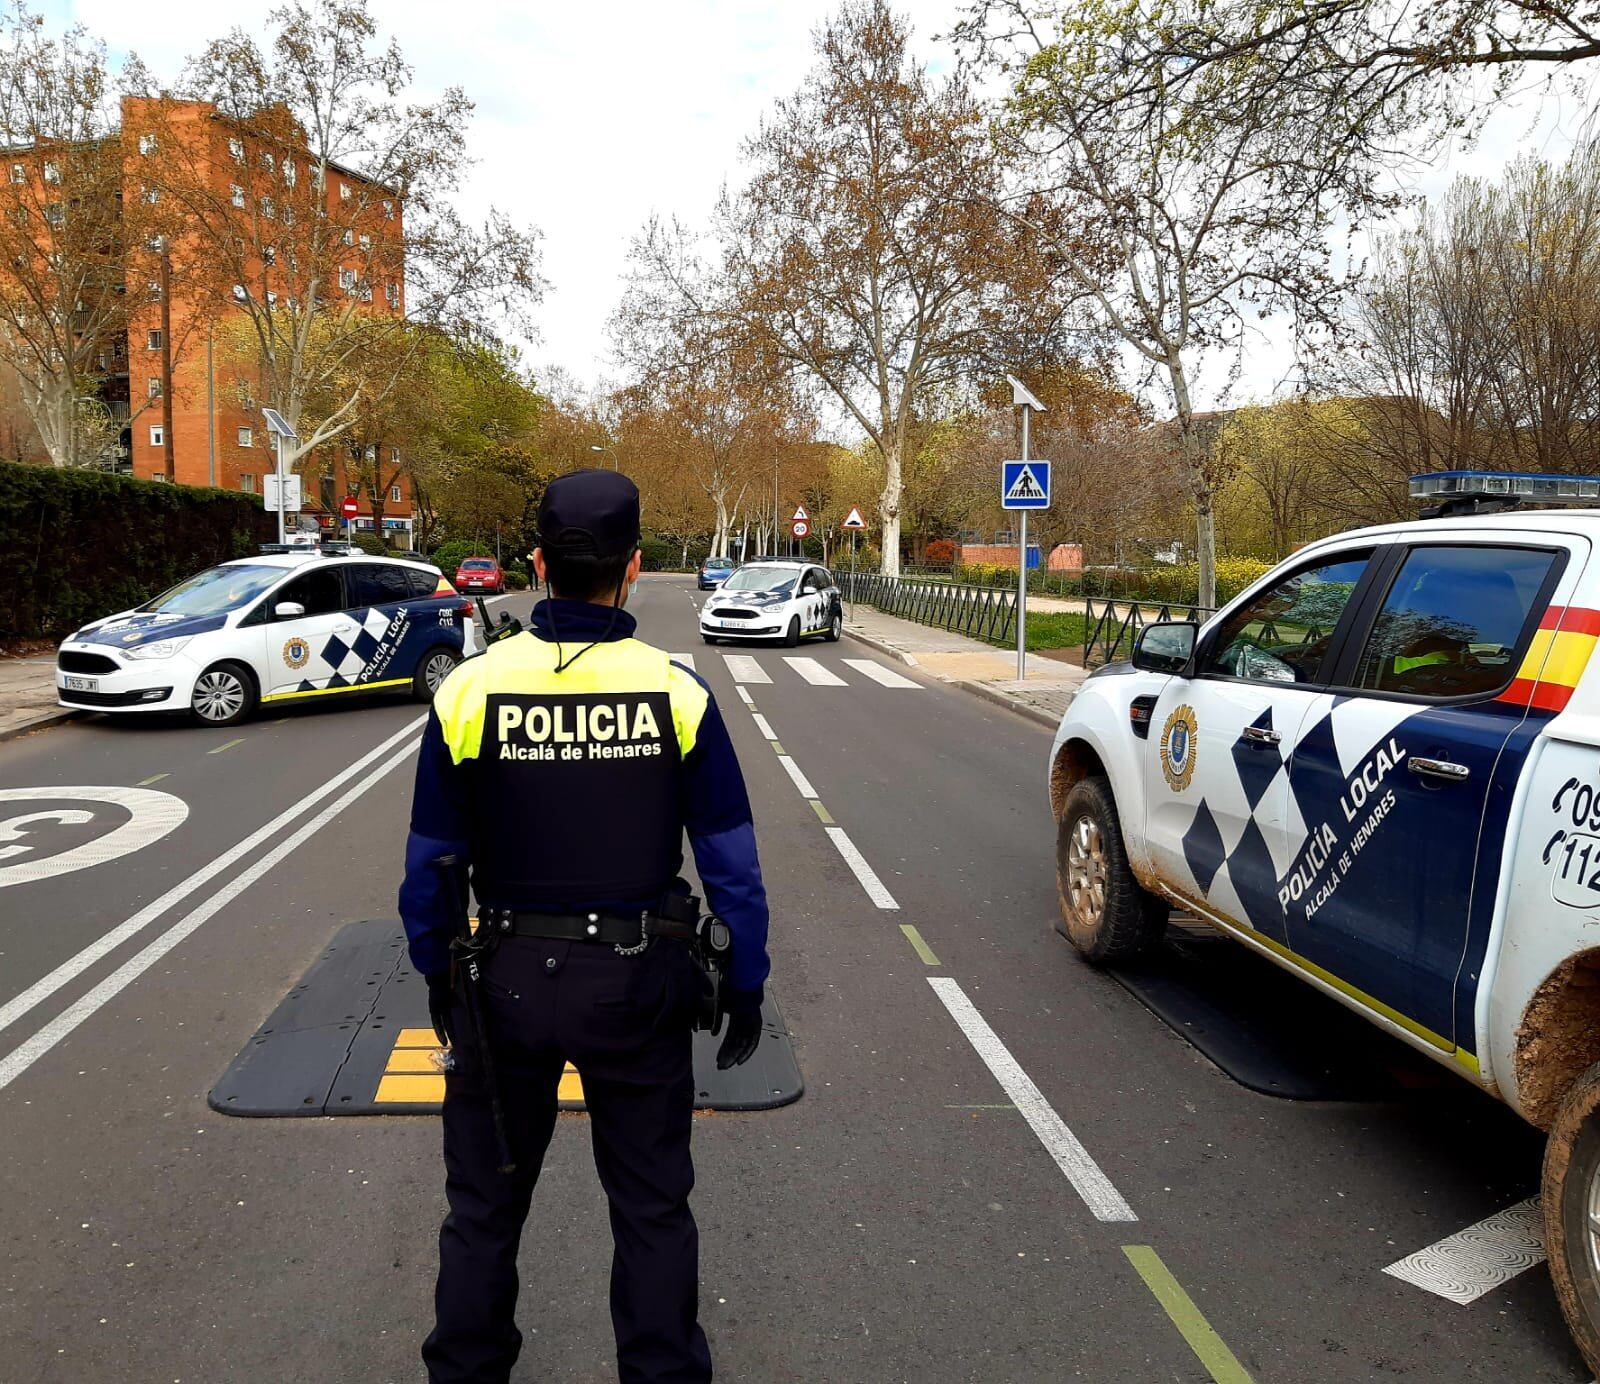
<point>590,118</point>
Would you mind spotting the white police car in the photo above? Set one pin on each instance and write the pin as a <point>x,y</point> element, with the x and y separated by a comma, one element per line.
<point>1380,768</point>
<point>790,601</point>
<point>291,624</point>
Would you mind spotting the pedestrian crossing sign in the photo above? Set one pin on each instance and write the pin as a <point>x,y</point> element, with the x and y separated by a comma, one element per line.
<point>1025,484</point>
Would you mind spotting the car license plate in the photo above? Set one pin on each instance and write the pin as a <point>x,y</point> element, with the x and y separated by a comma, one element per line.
<point>79,684</point>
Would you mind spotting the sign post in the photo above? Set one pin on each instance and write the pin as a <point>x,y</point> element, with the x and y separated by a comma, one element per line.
<point>800,523</point>
<point>1024,485</point>
<point>279,427</point>
<point>854,523</point>
<point>349,508</point>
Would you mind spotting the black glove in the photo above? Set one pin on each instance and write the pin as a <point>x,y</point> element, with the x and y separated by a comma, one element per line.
<point>744,1028</point>
<point>439,1007</point>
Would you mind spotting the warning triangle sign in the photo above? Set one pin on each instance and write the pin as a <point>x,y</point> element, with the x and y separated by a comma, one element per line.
<point>800,515</point>
<point>1025,487</point>
<point>853,520</point>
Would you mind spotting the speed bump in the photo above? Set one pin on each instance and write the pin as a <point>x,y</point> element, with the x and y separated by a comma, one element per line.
<point>352,1037</point>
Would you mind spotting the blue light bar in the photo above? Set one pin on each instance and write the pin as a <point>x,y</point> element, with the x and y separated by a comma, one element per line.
<point>1529,487</point>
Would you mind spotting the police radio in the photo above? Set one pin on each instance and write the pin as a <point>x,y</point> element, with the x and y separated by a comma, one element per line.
<point>492,632</point>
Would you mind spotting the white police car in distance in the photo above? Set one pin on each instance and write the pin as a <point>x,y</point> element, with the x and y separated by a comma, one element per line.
<point>1380,768</point>
<point>790,601</point>
<point>288,625</point>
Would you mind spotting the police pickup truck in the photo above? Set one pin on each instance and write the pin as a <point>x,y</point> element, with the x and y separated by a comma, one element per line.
<point>1380,768</point>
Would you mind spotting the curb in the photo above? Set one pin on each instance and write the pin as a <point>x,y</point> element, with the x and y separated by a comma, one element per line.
<point>881,646</point>
<point>1031,713</point>
<point>55,718</point>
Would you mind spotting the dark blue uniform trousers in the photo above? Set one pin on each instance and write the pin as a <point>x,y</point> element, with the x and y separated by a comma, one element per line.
<point>624,1023</point>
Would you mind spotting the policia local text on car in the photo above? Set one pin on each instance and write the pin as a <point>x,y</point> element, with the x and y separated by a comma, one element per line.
<point>564,766</point>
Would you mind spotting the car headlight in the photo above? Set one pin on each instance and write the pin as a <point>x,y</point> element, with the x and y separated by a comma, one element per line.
<point>160,648</point>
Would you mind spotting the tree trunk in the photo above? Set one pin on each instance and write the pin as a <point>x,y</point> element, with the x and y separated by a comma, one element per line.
<point>889,510</point>
<point>1200,484</point>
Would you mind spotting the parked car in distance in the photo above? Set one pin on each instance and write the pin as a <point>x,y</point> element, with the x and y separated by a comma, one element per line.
<point>480,574</point>
<point>713,572</point>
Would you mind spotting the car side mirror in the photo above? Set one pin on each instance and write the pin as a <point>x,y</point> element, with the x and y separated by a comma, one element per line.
<point>288,610</point>
<point>1167,647</point>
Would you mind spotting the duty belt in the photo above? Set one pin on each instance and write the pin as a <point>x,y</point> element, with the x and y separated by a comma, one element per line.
<point>614,929</point>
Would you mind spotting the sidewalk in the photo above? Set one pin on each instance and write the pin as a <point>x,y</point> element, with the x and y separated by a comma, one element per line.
<point>28,695</point>
<point>981,669</point>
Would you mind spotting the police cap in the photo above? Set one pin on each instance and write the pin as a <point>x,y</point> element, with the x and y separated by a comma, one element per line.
<point>590,514</point>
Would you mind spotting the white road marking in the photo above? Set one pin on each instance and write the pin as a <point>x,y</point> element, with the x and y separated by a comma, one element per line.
<point>1466,1265</point>
<point>814,673</point>
<point>47,985</point>
<point>764,726</point>
<point>745,669</point>
<point>744,695</point>
<point>1071,1157</point>
<point>863,872</point>
<point>800,780</point>
<point>879,674</point>
<point>686,659</point>
<point>25,1054</point>
<point>151,815</point>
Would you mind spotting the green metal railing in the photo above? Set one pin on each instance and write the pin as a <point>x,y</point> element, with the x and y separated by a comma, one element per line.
<point>1111,626</point>
<point>982,612</point>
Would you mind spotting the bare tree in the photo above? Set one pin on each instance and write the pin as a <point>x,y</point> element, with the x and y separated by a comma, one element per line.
<point>1189,215</point>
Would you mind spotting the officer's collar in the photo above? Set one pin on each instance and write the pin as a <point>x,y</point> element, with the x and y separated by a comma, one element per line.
<point>580,622</point>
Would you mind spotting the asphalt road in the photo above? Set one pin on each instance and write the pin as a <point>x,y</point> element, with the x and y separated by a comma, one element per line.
<point>941,1204</point>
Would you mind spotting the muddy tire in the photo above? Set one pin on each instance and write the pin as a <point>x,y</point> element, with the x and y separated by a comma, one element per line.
<point>1571,1203</point>
<point>1104,912</point>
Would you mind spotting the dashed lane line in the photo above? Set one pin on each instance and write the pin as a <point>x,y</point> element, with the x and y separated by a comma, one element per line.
<point>814,672</point>
<point>863,872</point>
<point>764,726</point>
<point>1102,1199</point>
<point>744,695</point>
<point>46,986</point>
<point>921,948</point>
<point>799,779</point>
<point>885,677</point>
<point>226,746</point>
<point>1464,1266</point>
<point>20,1058</point>
<point>743,668</point>
<point>822,812</point>
<point>1209,1348</point>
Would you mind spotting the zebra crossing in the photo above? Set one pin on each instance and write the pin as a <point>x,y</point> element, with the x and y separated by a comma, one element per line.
<point>746,670</point>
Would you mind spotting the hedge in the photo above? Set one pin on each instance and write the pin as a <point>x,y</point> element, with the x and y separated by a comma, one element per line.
<point>76,545</point>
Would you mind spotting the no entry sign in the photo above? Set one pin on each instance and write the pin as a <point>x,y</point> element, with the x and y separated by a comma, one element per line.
<point>348,507</point>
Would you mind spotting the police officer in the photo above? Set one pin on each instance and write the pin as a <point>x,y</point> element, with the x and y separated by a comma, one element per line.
<point>564,766</point>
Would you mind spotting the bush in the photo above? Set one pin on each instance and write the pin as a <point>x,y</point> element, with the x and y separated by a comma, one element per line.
<point>370,544</point>
<point>986,574</point>
<point>76,545</point>
<point>940,552</point>
<point>448,556</point>
<point>516,581</point>
<point>659,554</point>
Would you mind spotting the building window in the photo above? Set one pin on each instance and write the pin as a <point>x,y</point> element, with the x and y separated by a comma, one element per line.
<point>153,339</point>
<point>236,148</point>
<point>267,161</point>
<point>366,242</point>
<point>18,216</point>
<point>19,174</point>
<point>239,294</point>
<point>347,280</point>
<point>155,386</point>
<point>247,483</point>
<point>247,437</point>
<point>392,293</point>
<point>272,299</point>
<point>147,145</point>
<point>52,172</point>
<point>152,195</point>
<point>269,254</point>
<point>344,191</point>
<point>290,173</point>
<point>388,210</point>
<point>394,494</point>
<point>394,456</point>
<point>54,213</point>
<point>158,435</point>
<point>366,291</point>
<point>153,290</point>
<point>236,194</point>
<point>348,238</point>
<point>267,208</point>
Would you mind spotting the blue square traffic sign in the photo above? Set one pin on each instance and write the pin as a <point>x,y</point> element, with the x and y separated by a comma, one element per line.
<point>1025,484</point>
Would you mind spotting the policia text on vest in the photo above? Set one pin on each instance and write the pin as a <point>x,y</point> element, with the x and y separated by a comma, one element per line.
<point>564,768</point>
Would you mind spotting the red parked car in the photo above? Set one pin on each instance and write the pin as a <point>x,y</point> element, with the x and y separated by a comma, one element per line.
<point>480,574</point>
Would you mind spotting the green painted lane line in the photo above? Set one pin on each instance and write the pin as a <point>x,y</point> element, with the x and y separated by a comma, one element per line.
<point>775,745</point>
<point>228,746</point>
<point>921,948</point>
<point>1209,1347</point>
<point>154,778</point>
<point>821,811</point>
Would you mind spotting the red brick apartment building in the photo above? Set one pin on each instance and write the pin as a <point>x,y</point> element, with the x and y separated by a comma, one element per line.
<point>249,220</point>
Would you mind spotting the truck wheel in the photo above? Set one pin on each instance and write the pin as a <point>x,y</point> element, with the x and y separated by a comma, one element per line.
<point>1570,1195</point>
<point>1107,916</point>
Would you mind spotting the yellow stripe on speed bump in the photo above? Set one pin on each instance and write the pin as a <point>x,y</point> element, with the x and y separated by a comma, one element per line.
<point>411,1076</point>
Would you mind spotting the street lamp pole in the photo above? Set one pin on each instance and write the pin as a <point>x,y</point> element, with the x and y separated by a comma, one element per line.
<point>596,447</point>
